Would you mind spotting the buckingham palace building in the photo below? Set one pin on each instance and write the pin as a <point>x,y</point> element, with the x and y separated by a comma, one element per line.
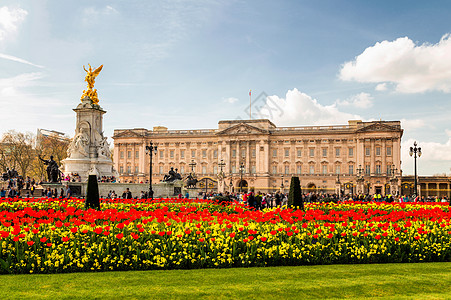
<point>359,157</point>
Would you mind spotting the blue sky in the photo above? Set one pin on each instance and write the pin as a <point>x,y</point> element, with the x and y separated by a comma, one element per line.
<point>189,64</point>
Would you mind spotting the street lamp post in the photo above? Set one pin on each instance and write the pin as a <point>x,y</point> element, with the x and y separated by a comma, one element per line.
<point>242,168</point>
<point>221,165</point>
<point>360,170</point>
<point>221,183</point>
<point>281,185</point>
<point>192,164</point>
<point>151,149</point>
<point>360,179</point>
<point>415,151</point>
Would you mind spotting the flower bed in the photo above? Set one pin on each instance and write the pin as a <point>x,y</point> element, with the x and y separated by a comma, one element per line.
<point>51,236</point>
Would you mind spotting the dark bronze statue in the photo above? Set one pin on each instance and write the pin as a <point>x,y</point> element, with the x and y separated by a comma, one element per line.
<point>53,173</point>
<point>172,176</point>
<point>191,181</point>
<point>9,174</point>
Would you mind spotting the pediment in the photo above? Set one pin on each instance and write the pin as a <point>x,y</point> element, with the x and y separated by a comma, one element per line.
<point>379,126</point>
<point>243,129</point>
<point>127,134</point>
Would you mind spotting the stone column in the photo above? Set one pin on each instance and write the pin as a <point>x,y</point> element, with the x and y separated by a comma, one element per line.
<point>248,157</point>
<point>257,157</point>
<point>266,156</point>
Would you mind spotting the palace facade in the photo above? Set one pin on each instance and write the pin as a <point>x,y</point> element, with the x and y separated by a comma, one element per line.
<point>258,155</point>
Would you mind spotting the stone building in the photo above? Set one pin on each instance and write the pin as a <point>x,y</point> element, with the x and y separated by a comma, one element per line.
<point>427,186</point>
<point>256,154</point>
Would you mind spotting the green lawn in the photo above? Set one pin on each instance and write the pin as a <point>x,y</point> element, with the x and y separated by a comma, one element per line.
<point>396,281</point>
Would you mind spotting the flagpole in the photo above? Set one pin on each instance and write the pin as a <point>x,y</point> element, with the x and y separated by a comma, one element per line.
<point>250,105</point>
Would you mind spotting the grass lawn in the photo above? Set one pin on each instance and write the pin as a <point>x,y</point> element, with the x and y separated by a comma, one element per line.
<point>396,281</point>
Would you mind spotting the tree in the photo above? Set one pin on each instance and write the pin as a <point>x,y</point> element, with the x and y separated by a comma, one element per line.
<point>17,151</point>
<point>295,195</point>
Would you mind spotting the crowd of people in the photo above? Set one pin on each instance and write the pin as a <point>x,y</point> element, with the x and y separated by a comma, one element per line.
<point>14,185</point>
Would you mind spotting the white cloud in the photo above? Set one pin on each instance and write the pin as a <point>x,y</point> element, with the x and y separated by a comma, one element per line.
<point>93,12</point>
<point>231,100</point>
<point>10,18</point>
<point>412,68</point>
<point>434,156</point>
<point>362,100</point>
<point>300,109</point>
<point>8,86</point>
<point>381,87</point>
<point>17,59</point>
<point>411,124</point>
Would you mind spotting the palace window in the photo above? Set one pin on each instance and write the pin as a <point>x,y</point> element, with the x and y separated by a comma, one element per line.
<point>388,151</point>
<point>351,169</point>
<point>337,152</point>
<point>253,169</point>
<point>378,169</point>
<point>233,169</point>
<point>136,169</point>
<point>287,152</point>
<point>253,152</point>
<point>182,153</point>
<point>204,170</point>
<point>160,169</point>
<point>287,170</point>
<point>129,169</point>
<point>274,153</point>
<point>136,154</point>
<point>324,152</point>
<point>215,153</point>
<point>243,153</point>
<point>367,151</point>
<point>299,169</point>
<point>204,153</point>
<point>274,169</point>
<point>121,169</point>
<point>311,169</point>
<point>182,169</point>
<point>161,153</point>
<point>367,169</point>
<point>193,153</point>
<point>171,153</point>
<point>337,169</point>
<point>351,152</point>
<point>378,151</point>
<point>122,154</point>
<point>324,169</point>
<point>129,154</point>
<point>299,152</point>
<point>233,153</point>
<point>215,169</point>
<point>311,152</point>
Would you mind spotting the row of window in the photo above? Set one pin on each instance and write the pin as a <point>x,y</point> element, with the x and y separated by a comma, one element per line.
<point>252,170</point>
<point>324,152</point>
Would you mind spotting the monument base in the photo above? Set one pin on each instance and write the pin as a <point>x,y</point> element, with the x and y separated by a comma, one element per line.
<point>161,190</point>
<point>85,166</point>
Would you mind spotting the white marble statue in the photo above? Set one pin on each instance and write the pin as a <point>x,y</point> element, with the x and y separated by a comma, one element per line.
<point>79,145</point>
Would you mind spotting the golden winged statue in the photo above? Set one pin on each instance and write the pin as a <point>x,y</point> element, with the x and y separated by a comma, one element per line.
<point>90,79</point>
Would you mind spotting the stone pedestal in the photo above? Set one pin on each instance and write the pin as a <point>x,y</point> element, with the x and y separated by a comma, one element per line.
<point>360,187</point>
<point>89,151</point>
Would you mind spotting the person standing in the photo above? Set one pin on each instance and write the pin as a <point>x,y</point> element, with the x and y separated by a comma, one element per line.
<point>127,194</point>
<point>68,192</point>
<point>278,199</point>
